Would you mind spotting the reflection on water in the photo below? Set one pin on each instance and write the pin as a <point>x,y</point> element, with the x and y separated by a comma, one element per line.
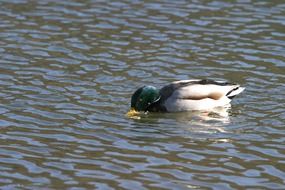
<point>68,69</point>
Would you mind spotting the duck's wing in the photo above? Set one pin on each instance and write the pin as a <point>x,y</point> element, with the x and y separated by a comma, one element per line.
<point>200,89</point>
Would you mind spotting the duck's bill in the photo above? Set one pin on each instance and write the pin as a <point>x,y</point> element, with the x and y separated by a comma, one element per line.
<point>132,113</point>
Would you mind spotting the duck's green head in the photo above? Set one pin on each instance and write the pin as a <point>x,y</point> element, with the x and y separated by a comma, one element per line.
<point>143,97</point>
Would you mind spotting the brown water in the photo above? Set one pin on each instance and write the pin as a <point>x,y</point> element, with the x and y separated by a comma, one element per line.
<point>68,69</point>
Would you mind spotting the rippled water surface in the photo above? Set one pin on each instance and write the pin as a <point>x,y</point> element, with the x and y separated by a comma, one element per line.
<point>68,69</point>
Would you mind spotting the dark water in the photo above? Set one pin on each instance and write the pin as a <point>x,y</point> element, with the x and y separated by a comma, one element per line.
<point>68,69</point>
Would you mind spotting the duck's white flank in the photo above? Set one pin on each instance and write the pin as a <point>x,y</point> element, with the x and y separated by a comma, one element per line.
<point>201,96</point>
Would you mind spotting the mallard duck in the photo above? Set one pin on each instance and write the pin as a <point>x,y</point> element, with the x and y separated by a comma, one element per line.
<point>185,95</point>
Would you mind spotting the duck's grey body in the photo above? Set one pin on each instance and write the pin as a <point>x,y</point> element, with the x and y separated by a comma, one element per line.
<point>189,95</point>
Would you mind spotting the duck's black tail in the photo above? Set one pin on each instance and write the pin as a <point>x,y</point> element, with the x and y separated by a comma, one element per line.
<point>235,91</point>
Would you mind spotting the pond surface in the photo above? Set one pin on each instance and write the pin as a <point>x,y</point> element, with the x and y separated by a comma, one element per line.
<point>68,69</point>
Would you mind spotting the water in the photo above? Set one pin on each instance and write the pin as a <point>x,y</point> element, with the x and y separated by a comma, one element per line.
<point>68,69</point>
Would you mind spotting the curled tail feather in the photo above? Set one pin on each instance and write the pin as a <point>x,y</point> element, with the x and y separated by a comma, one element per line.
<point>231,94</point>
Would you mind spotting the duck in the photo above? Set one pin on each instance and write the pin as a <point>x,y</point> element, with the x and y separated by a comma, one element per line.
<point>185,95</point>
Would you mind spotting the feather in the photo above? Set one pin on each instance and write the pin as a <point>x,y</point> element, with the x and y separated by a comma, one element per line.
<point>198,94</point>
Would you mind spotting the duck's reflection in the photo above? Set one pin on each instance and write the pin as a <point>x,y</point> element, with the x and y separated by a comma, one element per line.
<point>210,121</point>
<point>219,115</point>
